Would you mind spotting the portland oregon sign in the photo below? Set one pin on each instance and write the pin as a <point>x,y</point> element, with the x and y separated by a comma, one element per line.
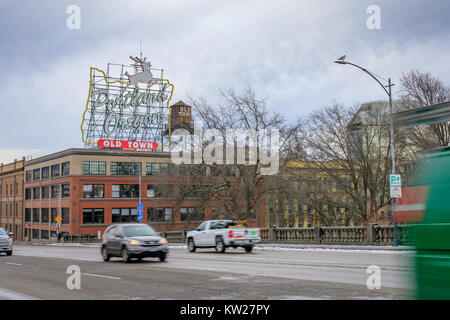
<point>127,107</point>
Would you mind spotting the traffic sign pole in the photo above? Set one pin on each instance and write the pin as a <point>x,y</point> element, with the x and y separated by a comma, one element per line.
<point>395,181</point>
<point>140,211</point>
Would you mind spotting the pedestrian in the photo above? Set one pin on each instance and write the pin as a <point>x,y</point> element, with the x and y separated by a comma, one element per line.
<point>59,236</point>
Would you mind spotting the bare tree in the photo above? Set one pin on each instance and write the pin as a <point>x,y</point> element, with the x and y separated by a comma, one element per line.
<point>241,194</point>
<point>420,89</point>
<point>352,147</point>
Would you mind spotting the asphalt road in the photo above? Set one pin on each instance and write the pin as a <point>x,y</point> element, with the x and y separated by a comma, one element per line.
<point>39,272</point>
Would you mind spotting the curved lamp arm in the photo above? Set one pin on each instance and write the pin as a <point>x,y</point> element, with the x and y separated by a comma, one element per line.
<point>366,71</point>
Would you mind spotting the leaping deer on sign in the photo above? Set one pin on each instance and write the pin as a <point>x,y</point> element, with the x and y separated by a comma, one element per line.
<point>145,76</point>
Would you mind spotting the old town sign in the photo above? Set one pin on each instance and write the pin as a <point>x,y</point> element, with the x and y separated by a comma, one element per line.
<point>127,107</point>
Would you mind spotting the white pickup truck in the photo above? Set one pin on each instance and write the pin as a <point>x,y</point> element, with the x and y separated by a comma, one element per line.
<point>220,234</point>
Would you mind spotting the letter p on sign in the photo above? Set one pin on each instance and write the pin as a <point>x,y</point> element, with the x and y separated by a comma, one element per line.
<point>395,185</point>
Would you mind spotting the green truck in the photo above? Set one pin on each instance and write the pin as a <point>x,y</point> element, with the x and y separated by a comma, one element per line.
<point>431,237</point>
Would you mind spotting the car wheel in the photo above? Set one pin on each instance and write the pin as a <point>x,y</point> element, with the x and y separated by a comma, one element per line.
<point>105,254</point>
<point>248,249</point>
<point>125,256</point>
<point>8,253</point>
<point>163,257</point>
<point>220,246</point>
<point>191,245</point>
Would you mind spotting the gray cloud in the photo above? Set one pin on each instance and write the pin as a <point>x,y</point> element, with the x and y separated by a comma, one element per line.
<point>284,49</point>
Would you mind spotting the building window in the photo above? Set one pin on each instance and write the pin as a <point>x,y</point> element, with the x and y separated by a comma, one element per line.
<point>125,168</point>
<point>44,234</point>
<point>91,216</point>
<point>55,191</point>
<point>125,191</point>
<point>120,215</point>
<point>36,193</point>
<point>159,191</point>
<point>300,208</point>
<point>93,190</point>
<point>192,214</point>
<point>271,207</point>
<point>55,171</point>
<point>230,170</point>
<point>215,171</point>
<point>94,168</point>
<point>28,176</point>
<point>35,233</point>
<point>159,214</point>
<point>291,208</point>
<point>156,168</point>
<point>309,208</point>
<point>65,169</point>
<point>54,214</point>
<point>244,215</point>
<point>27,215</point>
<point>36,217</point>
<point>44,215</point>
<point>65,190</point>
<point>45,172</point>
<point>36,174</point>
<point>28,194</point>
<point>44,192</point>
<point>65,216</point>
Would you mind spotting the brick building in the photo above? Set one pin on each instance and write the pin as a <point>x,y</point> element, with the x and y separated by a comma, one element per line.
<point>11,197</point>
<point>93,188</point>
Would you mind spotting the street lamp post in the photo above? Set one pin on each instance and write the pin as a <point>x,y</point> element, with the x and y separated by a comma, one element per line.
<point>341,60</point>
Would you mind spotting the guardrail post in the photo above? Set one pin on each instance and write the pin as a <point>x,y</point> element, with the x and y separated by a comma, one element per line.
<point>272,235</point>
<point>370,233</point>
<point>317,234</point>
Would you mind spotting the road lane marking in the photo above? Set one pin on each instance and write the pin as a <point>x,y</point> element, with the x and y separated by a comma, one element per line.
<point>100,276</point>
<point>205,268</point>
<point>14,264</point>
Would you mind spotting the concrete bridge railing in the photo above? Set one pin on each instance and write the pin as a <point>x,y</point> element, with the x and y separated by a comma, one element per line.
<point>371,234</point>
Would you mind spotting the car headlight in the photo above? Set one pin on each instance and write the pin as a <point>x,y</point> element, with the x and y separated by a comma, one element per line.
<point>163,241</point>
<point>134,242</point>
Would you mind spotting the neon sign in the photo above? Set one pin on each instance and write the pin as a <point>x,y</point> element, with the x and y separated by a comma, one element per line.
<point>123,105</point>
<point>127,145</point>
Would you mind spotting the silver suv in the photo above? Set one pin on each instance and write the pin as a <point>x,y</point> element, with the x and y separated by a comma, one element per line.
<point>6,242</point>
<point>133,240</point>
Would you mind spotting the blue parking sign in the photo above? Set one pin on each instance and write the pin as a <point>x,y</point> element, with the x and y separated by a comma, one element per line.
<point>140,206</point>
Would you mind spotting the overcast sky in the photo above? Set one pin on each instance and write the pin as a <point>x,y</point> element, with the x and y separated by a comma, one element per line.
<point>284,49</point>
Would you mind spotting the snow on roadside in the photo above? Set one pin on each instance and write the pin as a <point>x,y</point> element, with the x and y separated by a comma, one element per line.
<point>350,249</point>
<point>281,247</point>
